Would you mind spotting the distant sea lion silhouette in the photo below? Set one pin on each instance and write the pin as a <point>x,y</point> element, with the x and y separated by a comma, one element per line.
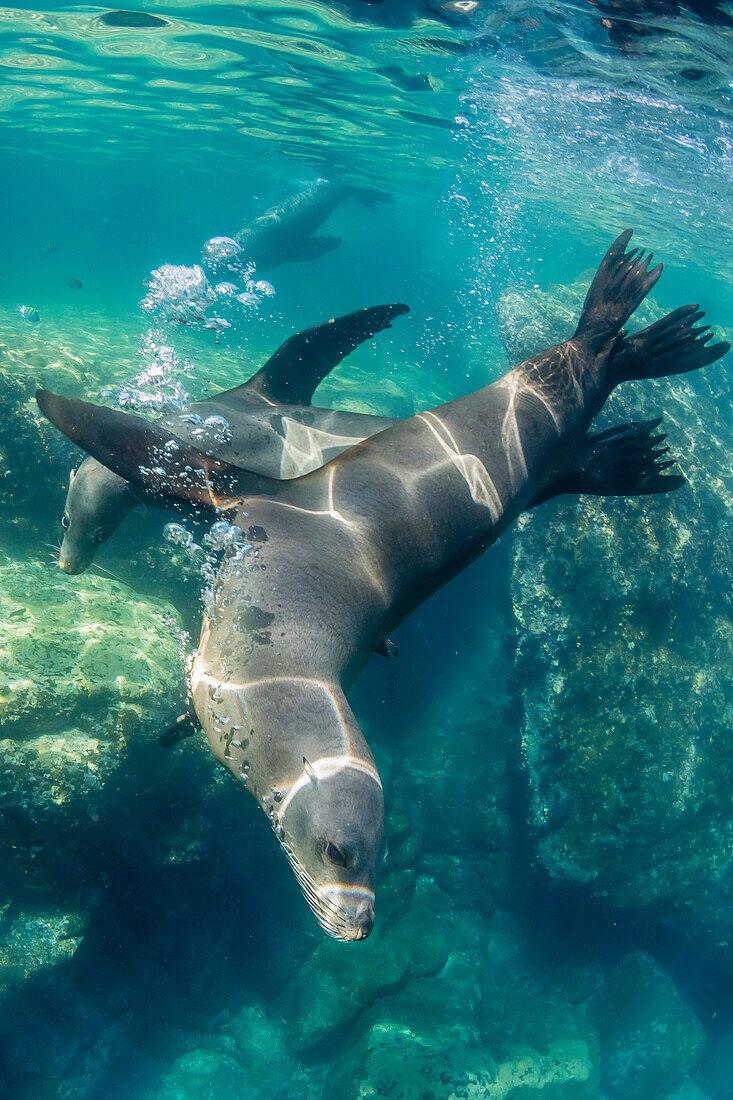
<point>345,553</point>
<point>627,21</point>
<point>266,424</point>
<point>284,235</point>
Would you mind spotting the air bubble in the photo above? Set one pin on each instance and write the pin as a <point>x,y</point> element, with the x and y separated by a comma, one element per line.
<point>176,534</point>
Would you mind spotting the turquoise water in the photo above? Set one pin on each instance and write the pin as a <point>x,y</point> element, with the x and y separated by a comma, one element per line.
<point>554,918</point>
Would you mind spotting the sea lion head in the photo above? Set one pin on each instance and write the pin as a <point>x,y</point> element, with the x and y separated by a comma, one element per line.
<point>96,503</point>
<point>331,826</point>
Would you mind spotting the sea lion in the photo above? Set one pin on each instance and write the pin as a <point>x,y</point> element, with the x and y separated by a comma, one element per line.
<point>344,554</point>
<point>284,234</point>
<point>266,424</point>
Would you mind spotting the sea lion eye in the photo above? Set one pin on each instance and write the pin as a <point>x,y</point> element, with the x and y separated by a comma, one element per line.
<point>335,855</point>
<point>65,523</point>
<point>99,535</point>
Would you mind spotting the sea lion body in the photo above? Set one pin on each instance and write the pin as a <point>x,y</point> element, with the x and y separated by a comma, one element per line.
<point>339,559</point>
<point>341,556</point>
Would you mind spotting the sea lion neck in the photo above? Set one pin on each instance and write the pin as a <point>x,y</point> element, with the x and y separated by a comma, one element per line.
<point>269,732</point>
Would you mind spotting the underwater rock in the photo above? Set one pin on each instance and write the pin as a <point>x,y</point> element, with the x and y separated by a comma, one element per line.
<point>649,1035</point>
<point>530,319</point>
<point>450,1036</point>
<point>204,1074</point>
<point>83,670</point>
<point>359,389</point>
<point>74,648</point>
<point>459,759</point>
<point>714,1072</point>
<point>32,488</point>
<point>688,1090</point>
<point>33,940</point>
<point>35,458</point>
<point>262,1044</point>
<point>336,984</point>
<point>625,663</point>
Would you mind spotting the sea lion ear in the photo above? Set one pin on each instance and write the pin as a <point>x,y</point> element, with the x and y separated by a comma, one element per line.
<point>308,769</point>
<point>150,456</point>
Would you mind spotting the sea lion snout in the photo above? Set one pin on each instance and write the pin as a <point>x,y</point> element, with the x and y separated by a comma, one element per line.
<point>365,924</point>
<point>67,565</point>
<point>346,913</point>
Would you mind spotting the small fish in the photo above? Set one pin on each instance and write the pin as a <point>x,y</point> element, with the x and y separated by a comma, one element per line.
<point>75,284</point>
<point>49,249</point>
<point>29,313</point>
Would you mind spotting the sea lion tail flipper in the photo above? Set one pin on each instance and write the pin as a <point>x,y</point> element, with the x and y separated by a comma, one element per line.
<point>185,725</point>
<point>670,346</point>
<point>626,461</point>
<point>150,456</point>
<point>299,365</point>
<point>619,286</point>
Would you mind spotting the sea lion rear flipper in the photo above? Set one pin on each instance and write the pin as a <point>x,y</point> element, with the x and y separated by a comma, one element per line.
<point>299,365</point>
<point>151,456</point>
<point>370,197</point>
<point>312,248</point>
<point>619,286</point>
<point>185,725</point>
<point>623,461</point>
<point>670,346</point>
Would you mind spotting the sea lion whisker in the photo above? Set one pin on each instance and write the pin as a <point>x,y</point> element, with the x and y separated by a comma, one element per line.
<point>109,573</point>
<point>321,902</point>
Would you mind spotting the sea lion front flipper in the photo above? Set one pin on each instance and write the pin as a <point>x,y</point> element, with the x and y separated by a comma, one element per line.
<point>185,725</point>
<point>625,461</point>
<point>299,365</point>
<point>152,457</point>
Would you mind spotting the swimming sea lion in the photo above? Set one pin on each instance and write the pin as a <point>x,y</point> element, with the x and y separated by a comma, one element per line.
<point>344,554</point>
<point>284,235</point>
<point>267,424</point>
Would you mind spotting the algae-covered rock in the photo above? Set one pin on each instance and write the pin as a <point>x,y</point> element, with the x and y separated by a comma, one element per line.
<point>206,1075</point>
<point>75,647</point>
<point>531,319</point>
<point>339,981</point>
<point>437,1038</point>
<point>625,660</point>
<point>34,456</point>
<point>83,669</point>
<point>33,940</point>
<point>59,775</point>
<point>649,1035</point>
